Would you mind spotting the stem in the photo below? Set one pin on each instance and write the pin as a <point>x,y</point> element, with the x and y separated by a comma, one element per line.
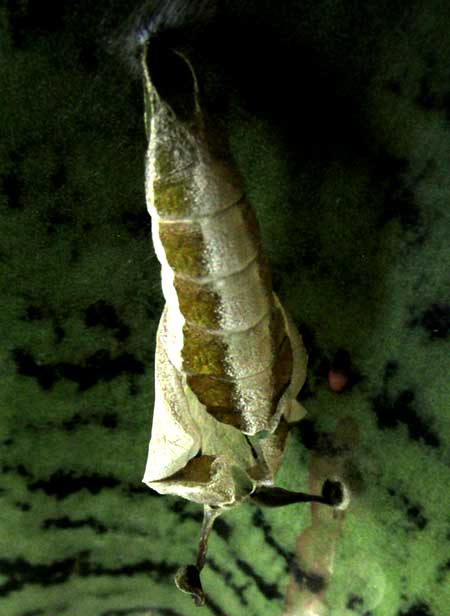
<point>332,495</point>
<point>187,578</point>
<point>209,516</point>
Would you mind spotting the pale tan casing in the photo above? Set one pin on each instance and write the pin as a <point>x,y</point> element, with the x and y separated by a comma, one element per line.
<point>240,340</point>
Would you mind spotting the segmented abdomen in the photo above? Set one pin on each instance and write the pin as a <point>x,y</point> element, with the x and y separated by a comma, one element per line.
<point>225,330</point>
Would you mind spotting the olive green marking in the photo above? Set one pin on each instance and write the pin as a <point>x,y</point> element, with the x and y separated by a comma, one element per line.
<point>203,353</point>
<point>183,247</point>
<point>164,161</point>
<point>172,200</point>
<point>198,303</point>
<point>218,396</point>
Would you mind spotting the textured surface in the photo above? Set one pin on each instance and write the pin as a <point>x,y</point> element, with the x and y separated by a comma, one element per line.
<point>350,182</point>
<point>215,383</point>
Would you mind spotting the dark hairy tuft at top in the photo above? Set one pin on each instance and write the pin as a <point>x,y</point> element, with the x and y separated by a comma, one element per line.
<point>159,16</point>
<point>175,22</point>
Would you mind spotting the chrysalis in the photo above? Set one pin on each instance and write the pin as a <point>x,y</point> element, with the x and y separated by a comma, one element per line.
<point>229,362</point>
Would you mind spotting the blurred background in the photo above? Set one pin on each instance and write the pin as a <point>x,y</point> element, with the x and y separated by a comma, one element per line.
<point>338,116</point>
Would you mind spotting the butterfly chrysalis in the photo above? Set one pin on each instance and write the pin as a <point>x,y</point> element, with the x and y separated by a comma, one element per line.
<point>229,361</point>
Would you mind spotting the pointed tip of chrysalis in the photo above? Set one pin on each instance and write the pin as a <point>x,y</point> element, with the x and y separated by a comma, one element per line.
<point>187,579</point>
